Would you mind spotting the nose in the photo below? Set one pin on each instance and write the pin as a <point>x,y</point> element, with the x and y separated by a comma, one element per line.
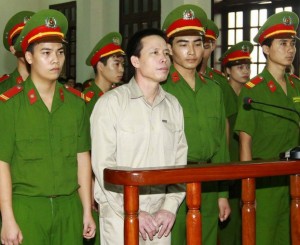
<point>191,50</point>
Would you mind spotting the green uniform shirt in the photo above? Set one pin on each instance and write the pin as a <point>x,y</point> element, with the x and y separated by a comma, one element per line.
<point>229,100</point>
<point>97,93</point>
<point>14,79</point>
<point>273,130</point>
<point>204,117</point>
<point>41,146</point>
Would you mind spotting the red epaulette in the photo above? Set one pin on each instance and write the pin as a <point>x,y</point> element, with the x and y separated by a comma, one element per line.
<point>254,81</point>
<point>3,78</point>
<point>294,76</point>
<point>218,72</point>
<point>89,95</point>
<point>11,93</point>
<point>76,92</point>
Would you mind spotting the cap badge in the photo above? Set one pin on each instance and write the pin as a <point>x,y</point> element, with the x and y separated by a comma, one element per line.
<point>287,20</point>
<point>245,49</point>
<point>26,18</point>
<point>116,41</point>
<point>50,22</point>
<point>188,15</point>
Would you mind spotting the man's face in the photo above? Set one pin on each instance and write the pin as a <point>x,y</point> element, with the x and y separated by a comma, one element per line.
<point>281,51</point>
<point>46,61</point>
<point>187,51</point>
<point>209,47</point>
<point>154,61</point>
<point>113,71</point>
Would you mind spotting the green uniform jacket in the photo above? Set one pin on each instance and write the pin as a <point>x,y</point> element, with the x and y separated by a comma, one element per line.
<point>273,130</point>
<point>14,79</point>
<point>230,101</point>
<point>97,93</point>
<point>41,146</point>
<point>204,117</point>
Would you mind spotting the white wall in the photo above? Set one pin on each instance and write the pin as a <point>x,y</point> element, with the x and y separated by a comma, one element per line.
<point>95,18</point>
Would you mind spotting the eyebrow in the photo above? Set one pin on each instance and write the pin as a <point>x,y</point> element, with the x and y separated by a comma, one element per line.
<point>186,41</point>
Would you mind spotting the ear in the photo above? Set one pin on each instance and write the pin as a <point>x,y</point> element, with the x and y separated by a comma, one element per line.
<point>228,70</point>
<point>170,48</point>
<point>12,49</point>
<point>28,57</point>
<point>135,61</point>
<point>266,49</point>
<point>100,66</point>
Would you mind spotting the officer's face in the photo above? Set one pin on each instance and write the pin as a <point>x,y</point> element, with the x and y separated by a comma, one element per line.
<point>46,61</point>
<point>187,52</point>
<point>113,71</point>
<point>239,73</point>
<point>154,61</point>
<point>281,51</point>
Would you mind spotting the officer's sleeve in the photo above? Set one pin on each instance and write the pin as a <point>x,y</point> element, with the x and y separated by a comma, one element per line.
<point>7,126</point>
<point>245,120</point>
<point>176,193</point>
<point>84,139</point>
<point>222,155</point>
<point>104,148</point>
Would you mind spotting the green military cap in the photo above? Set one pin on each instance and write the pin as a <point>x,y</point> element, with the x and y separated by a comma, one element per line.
<point>48,23</point>
<point>237,54</point>
<point>185,18</point>
<point>282,24</point>
<point>14,26</point>
<point>108,45</point>
<point>212,31</point>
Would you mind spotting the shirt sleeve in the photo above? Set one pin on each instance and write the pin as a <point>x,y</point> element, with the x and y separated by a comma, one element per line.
<point>7,136</point>
<point>84,139</point>
<point>104,147</point>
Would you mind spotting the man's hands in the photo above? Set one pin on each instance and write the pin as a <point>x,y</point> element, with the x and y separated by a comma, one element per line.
<point>224,209</point>
<point>161,223</point>
<point>11,233</point>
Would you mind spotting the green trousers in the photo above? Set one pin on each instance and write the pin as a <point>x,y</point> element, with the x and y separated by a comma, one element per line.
<point>49,221</point>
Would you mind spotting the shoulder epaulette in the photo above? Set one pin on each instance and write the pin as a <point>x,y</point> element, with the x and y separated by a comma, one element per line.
<point>89,95</point>
<point>3,78</point>
<point>11,93</point>
<point>294,76</point>
<point>218,72</point>
<point>76,92</point>
<point>254,81</point>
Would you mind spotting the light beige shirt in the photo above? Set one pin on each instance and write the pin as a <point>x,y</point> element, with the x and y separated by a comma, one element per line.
<point>126,131</point>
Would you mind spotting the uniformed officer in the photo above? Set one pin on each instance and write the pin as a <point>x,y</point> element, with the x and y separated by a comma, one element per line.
<point>45,170</point>
<point>107,60</point>
<point>236,63</point>
<point>211,36</point>
<point>11,32</point>
<point>203,107</point>
<point>266,131</point>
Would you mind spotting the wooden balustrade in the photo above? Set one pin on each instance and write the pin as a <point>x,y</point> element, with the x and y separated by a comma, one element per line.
<point>193,175</point>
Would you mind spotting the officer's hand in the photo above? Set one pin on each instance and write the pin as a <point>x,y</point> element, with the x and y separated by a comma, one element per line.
<point>224,209</point>
<point>147,225</point>
<point>89,226</point>
<point>11,233</point>
<point>165,220</point>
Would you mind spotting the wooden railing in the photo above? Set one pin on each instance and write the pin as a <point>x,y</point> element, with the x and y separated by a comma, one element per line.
<point>193,175</point>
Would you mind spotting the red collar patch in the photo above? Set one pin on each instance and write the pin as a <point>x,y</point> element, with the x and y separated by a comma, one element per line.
<point>32,96</point>
<point>272,86</point>
<point>175,77</point>
<point>19,80</point>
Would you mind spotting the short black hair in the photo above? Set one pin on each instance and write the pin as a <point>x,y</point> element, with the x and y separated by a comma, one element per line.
<point>135,46</point>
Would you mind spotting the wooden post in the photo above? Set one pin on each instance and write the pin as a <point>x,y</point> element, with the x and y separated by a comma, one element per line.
<point>131,221</point>
<point>295,208</point>
<point>193,218</point>
<point>248,211</point>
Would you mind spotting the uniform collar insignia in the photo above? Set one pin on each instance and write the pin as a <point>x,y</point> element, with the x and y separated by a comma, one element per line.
<point>175,77</point>
<point>19,80</point>
<point>100,94</point>
<point>272,86</point>
<point>32,96</point>
<point>61,94</point>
